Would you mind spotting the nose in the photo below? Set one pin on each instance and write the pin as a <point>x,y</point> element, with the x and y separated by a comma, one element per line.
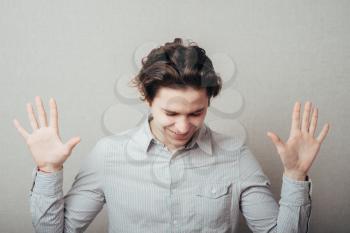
<point>183,126</point>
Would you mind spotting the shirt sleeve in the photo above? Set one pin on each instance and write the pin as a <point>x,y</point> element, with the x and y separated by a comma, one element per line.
<point>52,212</point>
<point>258,206</point>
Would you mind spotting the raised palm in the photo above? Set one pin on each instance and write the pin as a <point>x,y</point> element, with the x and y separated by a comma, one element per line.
<point>47,149</point>
<point>301,149</point>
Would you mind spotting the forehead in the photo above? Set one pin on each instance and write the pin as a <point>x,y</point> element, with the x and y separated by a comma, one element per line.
<point>181,99</point>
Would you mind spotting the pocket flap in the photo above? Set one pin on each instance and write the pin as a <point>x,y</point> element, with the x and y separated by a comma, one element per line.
<point>214,190</point>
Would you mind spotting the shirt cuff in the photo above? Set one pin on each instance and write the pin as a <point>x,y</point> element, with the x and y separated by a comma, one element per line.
<point>47,183</point>
<point>296,193</point>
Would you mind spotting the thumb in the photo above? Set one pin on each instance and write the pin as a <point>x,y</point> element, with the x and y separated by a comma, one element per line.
<point>72,143</point>
<point>276,140</point>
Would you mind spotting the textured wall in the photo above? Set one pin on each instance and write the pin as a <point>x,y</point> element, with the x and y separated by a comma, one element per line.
<point>270,53</point>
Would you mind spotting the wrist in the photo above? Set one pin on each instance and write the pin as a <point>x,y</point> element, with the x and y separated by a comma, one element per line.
<point>298,176</point>
<point>49,169</point>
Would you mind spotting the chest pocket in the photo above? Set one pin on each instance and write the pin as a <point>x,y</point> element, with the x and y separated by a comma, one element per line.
<point>212,204</point>
<point>214,191</point>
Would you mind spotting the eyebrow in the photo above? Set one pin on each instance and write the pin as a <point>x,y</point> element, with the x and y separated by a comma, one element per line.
<point>169,111</point>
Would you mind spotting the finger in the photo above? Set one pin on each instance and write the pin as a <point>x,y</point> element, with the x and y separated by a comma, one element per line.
<point>20,129</point>
<point>53,114</point>
<point>306,117</point>
<point>323,133</point>
<point>295,119</point>
<point>31,116</point>
<point>72,143</point>
<point>41,111</point>
<point>276,140</point>
<point>313,124</point>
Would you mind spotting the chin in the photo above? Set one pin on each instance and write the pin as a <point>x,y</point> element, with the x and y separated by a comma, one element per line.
<point>177,142</point>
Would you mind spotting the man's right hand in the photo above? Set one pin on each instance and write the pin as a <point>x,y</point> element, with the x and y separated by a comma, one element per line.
<point>48,151</point>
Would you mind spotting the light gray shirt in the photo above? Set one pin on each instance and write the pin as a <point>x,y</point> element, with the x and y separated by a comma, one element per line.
<point>146,188</point>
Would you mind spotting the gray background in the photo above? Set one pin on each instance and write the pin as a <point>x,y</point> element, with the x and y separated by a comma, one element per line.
<point>76,50</point>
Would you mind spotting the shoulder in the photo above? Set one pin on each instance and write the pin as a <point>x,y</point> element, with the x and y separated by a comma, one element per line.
<point>110,146</point>
<point>114,141</point>
<point>234,143</point>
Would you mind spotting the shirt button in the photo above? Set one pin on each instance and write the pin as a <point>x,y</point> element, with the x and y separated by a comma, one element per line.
<point>213,190</point>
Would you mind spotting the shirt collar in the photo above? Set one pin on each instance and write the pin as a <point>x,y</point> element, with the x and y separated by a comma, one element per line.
<point>144,137</point>
<point>204,140</point>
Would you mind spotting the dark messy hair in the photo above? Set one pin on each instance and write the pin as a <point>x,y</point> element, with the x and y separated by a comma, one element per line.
<point>176,65</point>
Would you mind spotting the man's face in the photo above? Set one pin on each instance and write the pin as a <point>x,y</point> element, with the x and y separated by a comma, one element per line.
<point>178,114</point>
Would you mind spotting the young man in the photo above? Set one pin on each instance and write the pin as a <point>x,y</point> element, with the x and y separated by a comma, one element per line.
<point>173,173</point>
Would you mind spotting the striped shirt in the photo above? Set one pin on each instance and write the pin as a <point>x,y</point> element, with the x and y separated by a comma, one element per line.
<point>202,187</point>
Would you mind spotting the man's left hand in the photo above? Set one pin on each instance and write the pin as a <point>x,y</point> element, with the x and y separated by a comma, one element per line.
<point>301,149</point>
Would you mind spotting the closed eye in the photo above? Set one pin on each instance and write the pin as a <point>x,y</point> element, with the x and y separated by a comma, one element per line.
<point>170,114</point>
<point>192,114</point>
<point>196,114</point>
